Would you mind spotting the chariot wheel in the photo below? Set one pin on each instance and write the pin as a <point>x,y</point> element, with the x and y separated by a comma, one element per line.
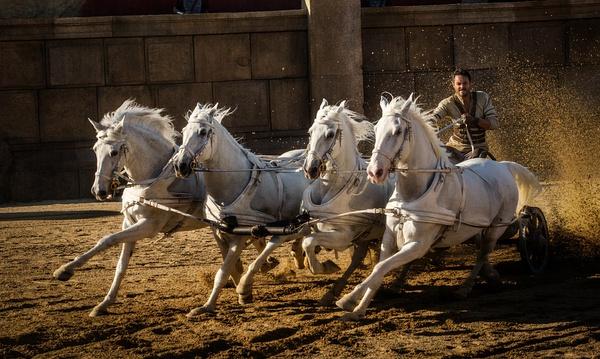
<point>534,241</point>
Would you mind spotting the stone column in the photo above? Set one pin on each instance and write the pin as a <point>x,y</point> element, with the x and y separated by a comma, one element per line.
<point>335,52</point>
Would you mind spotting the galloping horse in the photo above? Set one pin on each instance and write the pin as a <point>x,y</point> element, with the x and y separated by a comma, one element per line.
<point>254,195</point>
<point>333,156</point>
<point>435,204</point>
<point>141,141</point>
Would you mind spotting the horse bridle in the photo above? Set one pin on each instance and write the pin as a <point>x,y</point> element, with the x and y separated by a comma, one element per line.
<point>194,155</point>
<point>116,171</point>
<point>327,155</point>
<point>393,159</point>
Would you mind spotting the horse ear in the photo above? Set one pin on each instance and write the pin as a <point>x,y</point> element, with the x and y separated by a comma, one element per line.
<point>343,104</point>
<point>323,104</point>
<point>405,106</point>
<point>383,102</point>
<point>97,126</point>
<point>119,126</point>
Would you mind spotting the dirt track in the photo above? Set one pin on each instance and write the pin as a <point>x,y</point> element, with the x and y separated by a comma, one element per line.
<point>553,315</point>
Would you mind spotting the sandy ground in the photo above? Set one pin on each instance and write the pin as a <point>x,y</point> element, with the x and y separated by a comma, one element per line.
<point>556,314</point>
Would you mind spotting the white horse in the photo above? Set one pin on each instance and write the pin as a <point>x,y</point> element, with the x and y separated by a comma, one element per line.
<point>239,184</point>
<point>141,141</point>
<point>343,187</point>
<point>435,204</point>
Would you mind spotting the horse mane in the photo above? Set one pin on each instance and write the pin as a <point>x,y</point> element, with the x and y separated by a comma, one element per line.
<point>418,116</point>
<point>218,114</point>
<point>137,115</point>
<point>361,128</point>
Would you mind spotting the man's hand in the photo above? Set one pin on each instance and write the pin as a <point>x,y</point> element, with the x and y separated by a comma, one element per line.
<point>471,121</point>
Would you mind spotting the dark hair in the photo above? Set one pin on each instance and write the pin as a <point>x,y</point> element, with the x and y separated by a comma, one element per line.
<point>461,72</point>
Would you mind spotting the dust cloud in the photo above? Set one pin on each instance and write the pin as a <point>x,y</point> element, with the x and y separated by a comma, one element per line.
<point>550,122</point>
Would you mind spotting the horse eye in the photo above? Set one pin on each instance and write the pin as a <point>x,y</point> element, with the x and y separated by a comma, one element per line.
<point>113,153</point>
<point>203,132</point>
<point>396,131</point>
<point>329,135</point>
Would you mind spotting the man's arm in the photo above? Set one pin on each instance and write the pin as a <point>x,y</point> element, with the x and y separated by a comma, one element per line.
<point>489,121</point>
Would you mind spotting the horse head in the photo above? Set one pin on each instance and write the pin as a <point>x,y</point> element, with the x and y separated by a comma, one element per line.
<point>326,143</point>
<point>110,148</point>
<point>392,132</point>
<point>197,144</point>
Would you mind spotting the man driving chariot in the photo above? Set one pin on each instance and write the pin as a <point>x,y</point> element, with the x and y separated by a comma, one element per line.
<point>472,113</point>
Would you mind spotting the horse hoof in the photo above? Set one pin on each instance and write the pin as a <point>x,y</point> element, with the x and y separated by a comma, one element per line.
<point>329,267</point>
<point>346,304</point>
<point>199,311</point>
<point>352,317</point>
<point>98,311</point>
<point>63,274</point>
<point>327,300</point>
<point>245,299</point>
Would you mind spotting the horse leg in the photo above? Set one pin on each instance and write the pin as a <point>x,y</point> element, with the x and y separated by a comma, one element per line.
<point>271,262</point>
<point>238,268</point>
<point>410,251</point>
<point>335,239</point>
<point>111,296</point>
<point>244,288</point>
<point>142,229</point>
<point>360,252</point>
<point>388,247</point>
<point>236,245</point>
<point>297,253</point>
<point>487,245</point>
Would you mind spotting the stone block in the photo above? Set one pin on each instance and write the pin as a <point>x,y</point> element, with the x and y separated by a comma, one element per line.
<point>75,62</point>
<point>584,41</point>
<point>64,113</point>
<point>481,46</point>
<point>537,43</point>
<point>430,48</point>
<point>251,98</point>
<point>384,50</point>
<point>222,57</point>
<point>125,61</point>
<point>336,88</point>
<point>432,87</point>
<point>170,59</point>
<point>398,84</point>
<point>290,108</point>
<point>177,100</point>
<point>279,55</point>
<point>19,117</point>
<point>110,98</point>
<point>22,64</point>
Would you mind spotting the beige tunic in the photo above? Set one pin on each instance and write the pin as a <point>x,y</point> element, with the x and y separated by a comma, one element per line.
<point>481,107</point>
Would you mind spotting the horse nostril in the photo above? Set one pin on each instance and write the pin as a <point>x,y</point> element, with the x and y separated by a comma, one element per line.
<point>379,172</point>
<point>313,172</point>
<point>102,194</point>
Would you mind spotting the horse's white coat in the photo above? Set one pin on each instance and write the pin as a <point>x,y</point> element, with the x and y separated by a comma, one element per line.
<point>484,192</point>
<point>254,197</point>
<point>342,188</point>
<point>141,141</point>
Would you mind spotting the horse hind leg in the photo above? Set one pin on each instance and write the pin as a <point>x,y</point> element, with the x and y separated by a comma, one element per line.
<point>487,246</point>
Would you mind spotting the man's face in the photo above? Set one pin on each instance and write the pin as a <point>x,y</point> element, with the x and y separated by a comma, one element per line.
<point>462,85</point>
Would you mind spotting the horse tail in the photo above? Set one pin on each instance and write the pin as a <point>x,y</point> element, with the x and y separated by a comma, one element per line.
<point>527,183</point>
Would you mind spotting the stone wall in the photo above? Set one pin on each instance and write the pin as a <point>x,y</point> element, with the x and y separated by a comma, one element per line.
<point>56,73</point>
<point>539,60</point>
